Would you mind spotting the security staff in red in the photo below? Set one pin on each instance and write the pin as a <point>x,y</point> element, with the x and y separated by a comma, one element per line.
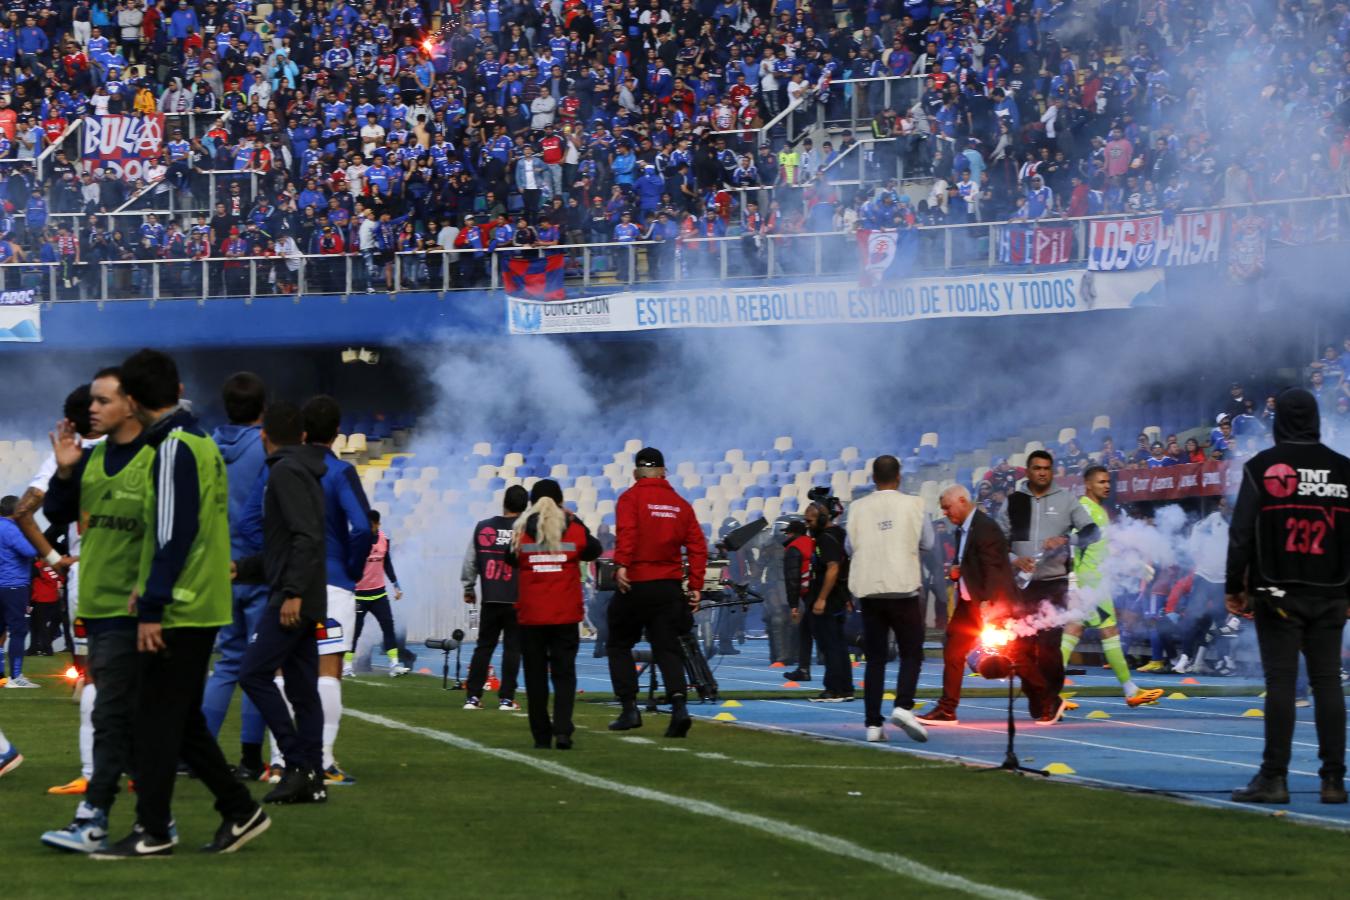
<point>1289,567</point>
<point>548,545</point>
<point>656,532</point>
<point>798,552</point>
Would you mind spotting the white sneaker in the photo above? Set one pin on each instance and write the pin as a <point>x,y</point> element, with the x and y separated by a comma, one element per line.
<point>20,681</point>
<point>876,734</point>
<point>473,703</point>
<point>348,671</point>
<point>910,724</point>
<point>1182,664</point>
<point>398,669</point>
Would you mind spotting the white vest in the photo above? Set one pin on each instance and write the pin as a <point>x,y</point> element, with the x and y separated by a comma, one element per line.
<point>885,529</point>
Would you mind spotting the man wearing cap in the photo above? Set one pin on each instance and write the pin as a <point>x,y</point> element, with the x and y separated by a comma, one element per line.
<point>655,530</point>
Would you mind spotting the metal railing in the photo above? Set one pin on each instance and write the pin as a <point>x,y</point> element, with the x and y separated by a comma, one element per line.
<point>738,256</point>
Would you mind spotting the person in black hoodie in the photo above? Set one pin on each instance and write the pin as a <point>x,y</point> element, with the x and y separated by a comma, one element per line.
<point>1289,568</point>
<point>292,566</point>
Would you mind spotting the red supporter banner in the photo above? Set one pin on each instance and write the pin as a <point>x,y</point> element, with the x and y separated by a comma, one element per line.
<point>122,144</point>
<point>1034,245</point>
<point>1206,479</point>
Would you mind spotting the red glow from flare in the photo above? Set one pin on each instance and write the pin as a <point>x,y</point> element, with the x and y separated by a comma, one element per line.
<point>993,637</point>
<point>427,45</point>
<point>72,673</point>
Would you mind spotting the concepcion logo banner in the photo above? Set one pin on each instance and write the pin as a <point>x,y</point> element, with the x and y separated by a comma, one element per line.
<point>841,303</point>
<point>20,317</point>
<point>1034,245</point>
<point>1185,239</point>
<point>122,144</point>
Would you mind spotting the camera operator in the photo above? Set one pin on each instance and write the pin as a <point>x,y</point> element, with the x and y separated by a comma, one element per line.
<point>486,559</point>
<point>767,571</point>
<point>1288,548</point>
<point>888,531</point>
<point>656,530</point>
<point>829,600</point>
<point>798,551</point>
<point>1039,520</point>
<point>731,619</point>
<point>548,545</point>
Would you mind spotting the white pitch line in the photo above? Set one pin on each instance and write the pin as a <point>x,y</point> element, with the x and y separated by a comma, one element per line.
<point>891,862</point>
<point>354,680</point>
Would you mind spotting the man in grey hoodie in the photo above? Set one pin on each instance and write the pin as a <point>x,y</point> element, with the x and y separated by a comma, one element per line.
<point>1043,523</point>
<point>241,445</point>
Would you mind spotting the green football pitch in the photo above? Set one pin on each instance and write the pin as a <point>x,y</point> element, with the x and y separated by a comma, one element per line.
<point>457,803</point>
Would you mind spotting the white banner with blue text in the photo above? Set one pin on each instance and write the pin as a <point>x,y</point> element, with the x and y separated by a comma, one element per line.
<point>841,303</point>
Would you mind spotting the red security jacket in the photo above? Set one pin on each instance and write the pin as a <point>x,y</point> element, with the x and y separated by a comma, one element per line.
<point>548,582</point>
<point>652,525</point>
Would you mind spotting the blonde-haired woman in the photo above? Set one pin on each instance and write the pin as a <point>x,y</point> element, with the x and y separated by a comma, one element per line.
<point>547,549</point>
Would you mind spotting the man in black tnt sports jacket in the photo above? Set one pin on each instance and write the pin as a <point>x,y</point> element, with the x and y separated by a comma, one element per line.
<point>1289,568</point>
<point>486,559</point>
<point>293,566</point>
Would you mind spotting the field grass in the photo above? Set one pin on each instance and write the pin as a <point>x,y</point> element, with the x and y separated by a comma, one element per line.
<point>468,808</point>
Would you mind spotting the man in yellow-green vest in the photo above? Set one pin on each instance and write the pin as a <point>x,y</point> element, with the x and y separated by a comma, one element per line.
<point>183,598</point>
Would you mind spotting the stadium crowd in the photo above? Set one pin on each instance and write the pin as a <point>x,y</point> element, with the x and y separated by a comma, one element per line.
<point>406,127</point>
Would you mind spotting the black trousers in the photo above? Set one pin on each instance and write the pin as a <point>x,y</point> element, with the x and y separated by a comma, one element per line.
<point>805,633</point>
<point>1040,655</point>
<point>295,651</point>
<point>660,608</point>
<point>114,667</point>
<point>1312,626</point>
<point>498,622</point>
<point>170,726</point>
<point>550,651</point>
<point>45,627</point>
<point>963,632</point>
<point>882,617</point>
<point>828,628</point>
<point>379,608</point>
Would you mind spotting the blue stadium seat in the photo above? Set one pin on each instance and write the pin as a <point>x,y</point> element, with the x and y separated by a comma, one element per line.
<point>398,462</point>
<point>820,479</point>
<point>704,468</point>
<point>607,519</point>
<point>722,468</point>
<point>789,506</point>
<point>763,481</point>
<point>778,466</point>
<point>496,484</point>
<point>406,471</point>
<point>604,494</point>
<point>797,466</point>
<point>707,529</point>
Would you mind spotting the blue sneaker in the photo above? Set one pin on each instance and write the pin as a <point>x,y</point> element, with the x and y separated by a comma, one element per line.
<point>10,761</point>
<point>87,834</point>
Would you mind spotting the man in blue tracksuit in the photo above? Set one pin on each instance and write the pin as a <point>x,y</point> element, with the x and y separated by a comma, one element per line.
<point>16,581</point>
<point>241,445</point>
<point>347,542</point>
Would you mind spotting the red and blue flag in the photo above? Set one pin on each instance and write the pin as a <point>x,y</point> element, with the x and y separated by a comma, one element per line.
<point>535,279</point>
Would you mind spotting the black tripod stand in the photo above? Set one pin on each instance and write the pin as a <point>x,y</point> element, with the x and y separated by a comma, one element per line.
<point>999,666</point>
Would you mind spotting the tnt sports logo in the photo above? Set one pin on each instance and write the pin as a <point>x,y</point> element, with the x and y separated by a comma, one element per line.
<point>1281,481</point>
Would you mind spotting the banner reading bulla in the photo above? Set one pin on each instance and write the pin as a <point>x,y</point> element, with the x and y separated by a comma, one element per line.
<point>841,303</point>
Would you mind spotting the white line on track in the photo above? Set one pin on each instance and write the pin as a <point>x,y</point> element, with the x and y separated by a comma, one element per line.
<point>891,862</point>
<point>1032,732</point>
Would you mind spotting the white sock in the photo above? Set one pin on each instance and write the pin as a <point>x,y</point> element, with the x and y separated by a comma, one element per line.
<point>1130,688</point>
<point>277,758</point>
<point>330,696</point>
<point>87,697</point>
<point>4,744</point>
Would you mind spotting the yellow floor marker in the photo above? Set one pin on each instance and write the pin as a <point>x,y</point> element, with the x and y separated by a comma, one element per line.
<point>889,695</point>
<point>724,717</point>
<point>1177,695</point>
<point>1098,714</point>
<point>731,704</point>
<point>1058,768</point>
<point>1254,714</point>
